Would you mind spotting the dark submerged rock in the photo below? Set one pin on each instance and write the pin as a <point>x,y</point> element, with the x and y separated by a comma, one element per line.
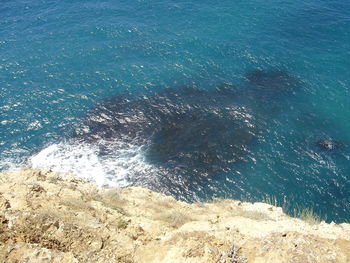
<point>203,132</point>
<point>205,141</point>
<point>328,144</point>
<point>276,81</point>
<point>269,91</point>
<point>189,134</point>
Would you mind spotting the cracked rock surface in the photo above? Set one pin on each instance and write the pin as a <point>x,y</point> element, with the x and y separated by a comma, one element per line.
<point>52,217</point>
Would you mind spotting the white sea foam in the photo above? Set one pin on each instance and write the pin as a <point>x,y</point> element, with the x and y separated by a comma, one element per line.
<point>117,167</point>
<point>11,164</point>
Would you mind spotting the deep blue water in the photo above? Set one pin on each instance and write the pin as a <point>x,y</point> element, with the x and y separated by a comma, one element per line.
<point>191,98</point>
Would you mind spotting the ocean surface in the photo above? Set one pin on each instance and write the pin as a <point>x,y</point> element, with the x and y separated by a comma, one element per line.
<point>198,99</point>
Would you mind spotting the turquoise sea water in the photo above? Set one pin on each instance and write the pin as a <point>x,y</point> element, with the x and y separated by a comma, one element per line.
<point>59,59</point>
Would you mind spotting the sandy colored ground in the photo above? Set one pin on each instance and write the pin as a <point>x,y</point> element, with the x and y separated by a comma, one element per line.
<point>51,217</point>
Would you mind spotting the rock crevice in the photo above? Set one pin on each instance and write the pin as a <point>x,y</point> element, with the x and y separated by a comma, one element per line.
<point>51,217</point>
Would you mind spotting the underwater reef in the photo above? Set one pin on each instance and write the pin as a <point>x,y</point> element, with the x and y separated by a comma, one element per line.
<point>194,133</point>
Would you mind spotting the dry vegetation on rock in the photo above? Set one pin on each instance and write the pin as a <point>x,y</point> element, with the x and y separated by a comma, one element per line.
<point>51,217</point>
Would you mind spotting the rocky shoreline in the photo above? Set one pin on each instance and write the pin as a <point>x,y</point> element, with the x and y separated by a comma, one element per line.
<point>53,217</point>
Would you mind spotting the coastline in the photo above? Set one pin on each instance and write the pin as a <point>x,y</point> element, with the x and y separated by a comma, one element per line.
<point>55,217</point>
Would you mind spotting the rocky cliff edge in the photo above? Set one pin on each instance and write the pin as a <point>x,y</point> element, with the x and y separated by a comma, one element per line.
<point>52,217</point>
